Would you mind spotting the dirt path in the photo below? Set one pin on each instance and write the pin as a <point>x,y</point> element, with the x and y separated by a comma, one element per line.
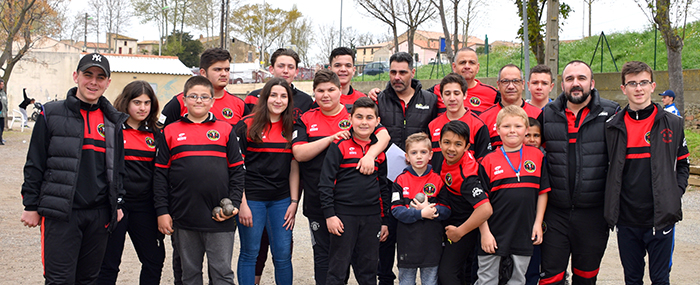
<point>20,256</point>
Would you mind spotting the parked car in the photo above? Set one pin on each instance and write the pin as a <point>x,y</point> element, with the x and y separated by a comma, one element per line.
<point>377,67</point>
<point>244,73</point>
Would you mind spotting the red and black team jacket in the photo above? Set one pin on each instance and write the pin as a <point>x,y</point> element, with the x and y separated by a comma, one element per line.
<point>489,118</point>
<point>313,126</point>
<point>228,108</point>
<point>302,101</point>
<point>412,231</point>
<point>344,190</point>
<point>139,163</point>
<point>479,98</point>
<point>478,137</point>
<point>197,165</point>
<point>347,99</point>
<point>465,191</point>
<point>514,200</point>
<point>267,163</point>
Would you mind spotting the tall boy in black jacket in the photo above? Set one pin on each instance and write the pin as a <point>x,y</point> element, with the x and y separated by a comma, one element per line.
<point>647,177</point>
<point>353,203</point>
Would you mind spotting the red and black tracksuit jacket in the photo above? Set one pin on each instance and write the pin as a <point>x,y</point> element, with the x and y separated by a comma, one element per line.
<point>347,99</point>
<point>514,200</point>
<point>489,118</point>
<point>302,101</point>
<point>139,164</point>
<point>228,108</point>
<point>346,191</point>
<point>413,232</point>
<point>197,165</point>
<point>313,126</point>
<point>478,137</point>
<point>267,163</point>
<point>465,191</point>
<point>479,98</point>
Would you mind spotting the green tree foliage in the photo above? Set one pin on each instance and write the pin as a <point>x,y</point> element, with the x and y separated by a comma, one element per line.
<point>536,26</point>
<point>261,24</point>
<point>187,51</point>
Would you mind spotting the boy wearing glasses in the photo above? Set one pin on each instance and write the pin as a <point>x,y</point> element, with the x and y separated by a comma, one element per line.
<point>510,86</point>
<point>194,147</point>
<point>643,195</point>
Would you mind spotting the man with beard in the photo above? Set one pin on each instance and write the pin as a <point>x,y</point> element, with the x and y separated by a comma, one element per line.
<point>573,132</point>
<point>405,109</point>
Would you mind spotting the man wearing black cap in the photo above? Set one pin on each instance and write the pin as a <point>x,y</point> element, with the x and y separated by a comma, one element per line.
<point>669,106</point>
<point>72,177</point>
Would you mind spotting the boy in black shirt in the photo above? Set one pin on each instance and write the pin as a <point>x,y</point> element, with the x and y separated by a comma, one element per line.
<point>354,203</point>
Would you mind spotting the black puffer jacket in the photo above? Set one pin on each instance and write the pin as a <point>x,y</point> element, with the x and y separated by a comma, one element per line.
<point>420,110</point>
<point>591,153</point>
<point>53,159</point>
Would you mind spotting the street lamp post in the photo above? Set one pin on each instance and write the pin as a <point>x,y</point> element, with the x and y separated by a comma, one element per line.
<point>160,32</point>
<point>85,39</point>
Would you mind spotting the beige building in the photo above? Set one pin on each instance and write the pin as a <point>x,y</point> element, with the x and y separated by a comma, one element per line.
<point>147,47</point>
<point>426,45</point>
<point>120,44</point>
<point>241,52</point>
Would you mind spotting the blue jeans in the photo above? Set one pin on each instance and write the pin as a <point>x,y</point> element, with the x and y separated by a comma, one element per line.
<point>270,215</point>
<point>428,275</point>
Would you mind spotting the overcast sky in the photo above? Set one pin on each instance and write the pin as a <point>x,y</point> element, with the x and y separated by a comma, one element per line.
<point>498,20</point>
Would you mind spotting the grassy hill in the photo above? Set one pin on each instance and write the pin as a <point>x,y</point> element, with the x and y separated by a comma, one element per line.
<point>625,47</point>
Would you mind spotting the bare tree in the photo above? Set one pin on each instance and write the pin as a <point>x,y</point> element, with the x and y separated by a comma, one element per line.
<point>153,11</point>
<point>302,35</point>
<point>328,33</point>
<point>116,17</point>
<point>589,3</point>
<point>262,25</point>
<point>472,12</point>
<point>71,27</point>
<point>385,11</point>
<point>413,13</point>
<point>440,5</point>
<point>22,24</point>
<point>208,17</point>
<point>670,17</point>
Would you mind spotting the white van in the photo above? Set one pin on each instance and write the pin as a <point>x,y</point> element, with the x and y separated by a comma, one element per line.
<point>244,73</point>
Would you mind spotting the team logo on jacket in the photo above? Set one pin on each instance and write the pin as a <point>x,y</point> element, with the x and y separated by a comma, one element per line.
<point>429,189</point>
<point>497,170</point>
<point>448,179</point>
<point>436,132</point>
<point>530,166</point>
<point>475,101</point>
<point>647,137</point>
<point>227,113</point>
<point>150,142</point>
<point>667,136</point>
<point>213,135</point>
<point>315,225</point>
<point>101,129</point>
<point>344,124</point>
<point>476,191</point>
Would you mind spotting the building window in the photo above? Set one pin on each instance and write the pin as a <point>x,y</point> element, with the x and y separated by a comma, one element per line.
<point>154,86</point>
<point>364,51</point>
<point>120,50</point>
<point>124,43</point>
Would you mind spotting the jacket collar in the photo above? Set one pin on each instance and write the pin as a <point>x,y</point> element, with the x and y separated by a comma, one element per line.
<point>618,120</point>
<point>372,138</point>
<point>417,86</point>
<point>409,168</point>
<point>210,118</point>
<point>73,104</point>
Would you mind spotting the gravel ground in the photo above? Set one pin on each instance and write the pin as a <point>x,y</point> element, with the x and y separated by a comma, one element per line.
<point>20,247</point>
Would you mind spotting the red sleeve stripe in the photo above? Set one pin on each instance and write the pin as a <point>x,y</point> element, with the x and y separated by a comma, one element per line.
<point>481,203</point>
<point>516,185</point>
<point>93,147</point>
<point>276,150</point>
<point>198,153</point>
<point>436,149</point>
<point>441,204</point>
<point>163,165</point>
<point>137,158</point>
<point>353,165</point>
<point>683,156</point>
<point>638,155</point>
<point>544,191</point>
<point>235,164</point>
<point>572,140</point>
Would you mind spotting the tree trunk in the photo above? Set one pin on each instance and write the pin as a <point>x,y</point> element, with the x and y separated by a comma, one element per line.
<point>456,33</point>
<point>674,47</point>
<point>445,29</point>
<point>411,34</point>
<point>590,2</point>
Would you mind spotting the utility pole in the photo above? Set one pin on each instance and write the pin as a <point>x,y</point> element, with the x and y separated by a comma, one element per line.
<point>526,47</point>
<point>551,51</point>
<point>221,30</point>
<point>340,42</point>
<point>85,40</point>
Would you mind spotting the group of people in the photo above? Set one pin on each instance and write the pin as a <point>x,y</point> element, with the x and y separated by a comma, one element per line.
<point>495,189</point>
<point>4,110</point>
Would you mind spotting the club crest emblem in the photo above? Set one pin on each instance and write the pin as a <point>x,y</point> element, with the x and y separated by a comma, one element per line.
<point>213,135</point>
<point>666,136</point>
<point>448,179</point>
<point>429,189</point>
<point>529,166</point>
<point>227,113</point>
<point>101,129</point>
<point>344,124</point>
<point>647,137</point>
<point>150,142</point>
<point>475,101</point>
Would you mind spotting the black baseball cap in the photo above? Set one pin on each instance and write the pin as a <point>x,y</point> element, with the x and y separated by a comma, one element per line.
<point>94,59</point>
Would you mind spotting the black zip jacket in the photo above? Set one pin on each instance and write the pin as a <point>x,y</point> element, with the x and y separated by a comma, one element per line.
<point>591,153</point>
<point>344,190</point>
<point>669,166</point>
<point>53,164</point>
<point>400,122</point>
